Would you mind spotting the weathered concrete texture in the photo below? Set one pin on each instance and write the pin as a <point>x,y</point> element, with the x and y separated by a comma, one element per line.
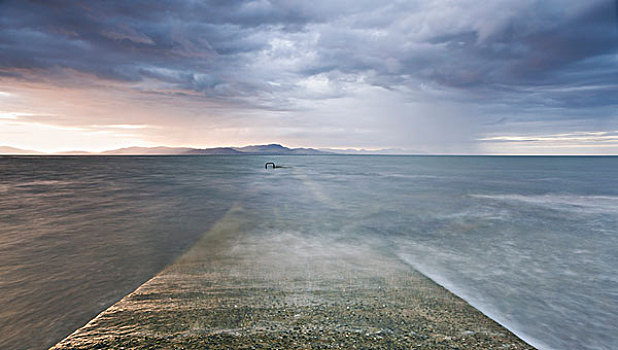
<point>241,290</point>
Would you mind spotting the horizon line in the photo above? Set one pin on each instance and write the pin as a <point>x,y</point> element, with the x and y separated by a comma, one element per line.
<point>325,150</point>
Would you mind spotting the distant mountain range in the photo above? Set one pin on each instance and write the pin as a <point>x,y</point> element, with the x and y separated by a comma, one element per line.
<point>13,150</point>
<point>271,149</point>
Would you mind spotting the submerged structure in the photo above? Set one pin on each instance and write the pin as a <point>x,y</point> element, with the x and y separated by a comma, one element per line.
<point>239,289</point>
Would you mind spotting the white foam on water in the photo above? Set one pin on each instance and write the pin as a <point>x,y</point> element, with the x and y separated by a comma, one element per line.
<point>475,301</point>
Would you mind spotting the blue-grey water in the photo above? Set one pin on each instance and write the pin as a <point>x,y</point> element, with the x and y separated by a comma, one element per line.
<point>530,241</point>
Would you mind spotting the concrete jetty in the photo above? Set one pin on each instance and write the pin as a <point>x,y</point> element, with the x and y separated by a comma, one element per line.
<point>236,289</point>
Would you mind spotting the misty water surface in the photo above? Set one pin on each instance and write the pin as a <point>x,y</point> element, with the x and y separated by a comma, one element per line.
<point>530,241</point>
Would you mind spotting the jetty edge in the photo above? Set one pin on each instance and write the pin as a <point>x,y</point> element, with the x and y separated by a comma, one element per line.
<point>234,289</point>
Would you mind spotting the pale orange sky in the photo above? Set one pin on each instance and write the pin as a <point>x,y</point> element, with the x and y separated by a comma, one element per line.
<point>50,118</point>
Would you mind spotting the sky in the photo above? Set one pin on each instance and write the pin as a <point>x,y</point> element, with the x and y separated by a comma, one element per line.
<point>435,76</point>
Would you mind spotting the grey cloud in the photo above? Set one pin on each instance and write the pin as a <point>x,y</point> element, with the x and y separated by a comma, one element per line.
<point>521,54</point>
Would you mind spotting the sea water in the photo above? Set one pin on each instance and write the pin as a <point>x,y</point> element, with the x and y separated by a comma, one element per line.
<point>532,242</point>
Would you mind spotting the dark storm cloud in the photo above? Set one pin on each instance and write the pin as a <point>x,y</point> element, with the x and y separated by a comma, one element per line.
<point>527,54</point>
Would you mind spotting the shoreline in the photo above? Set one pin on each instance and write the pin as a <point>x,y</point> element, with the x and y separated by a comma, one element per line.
<point>234,289</point>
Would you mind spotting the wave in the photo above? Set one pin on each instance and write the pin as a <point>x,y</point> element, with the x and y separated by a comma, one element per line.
<point>566,202</point>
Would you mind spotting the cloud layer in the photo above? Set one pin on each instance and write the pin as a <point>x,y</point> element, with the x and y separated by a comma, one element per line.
<point>429,75</point>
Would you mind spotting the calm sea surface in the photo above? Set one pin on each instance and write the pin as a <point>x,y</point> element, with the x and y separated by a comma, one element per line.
<point>530,241</point>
